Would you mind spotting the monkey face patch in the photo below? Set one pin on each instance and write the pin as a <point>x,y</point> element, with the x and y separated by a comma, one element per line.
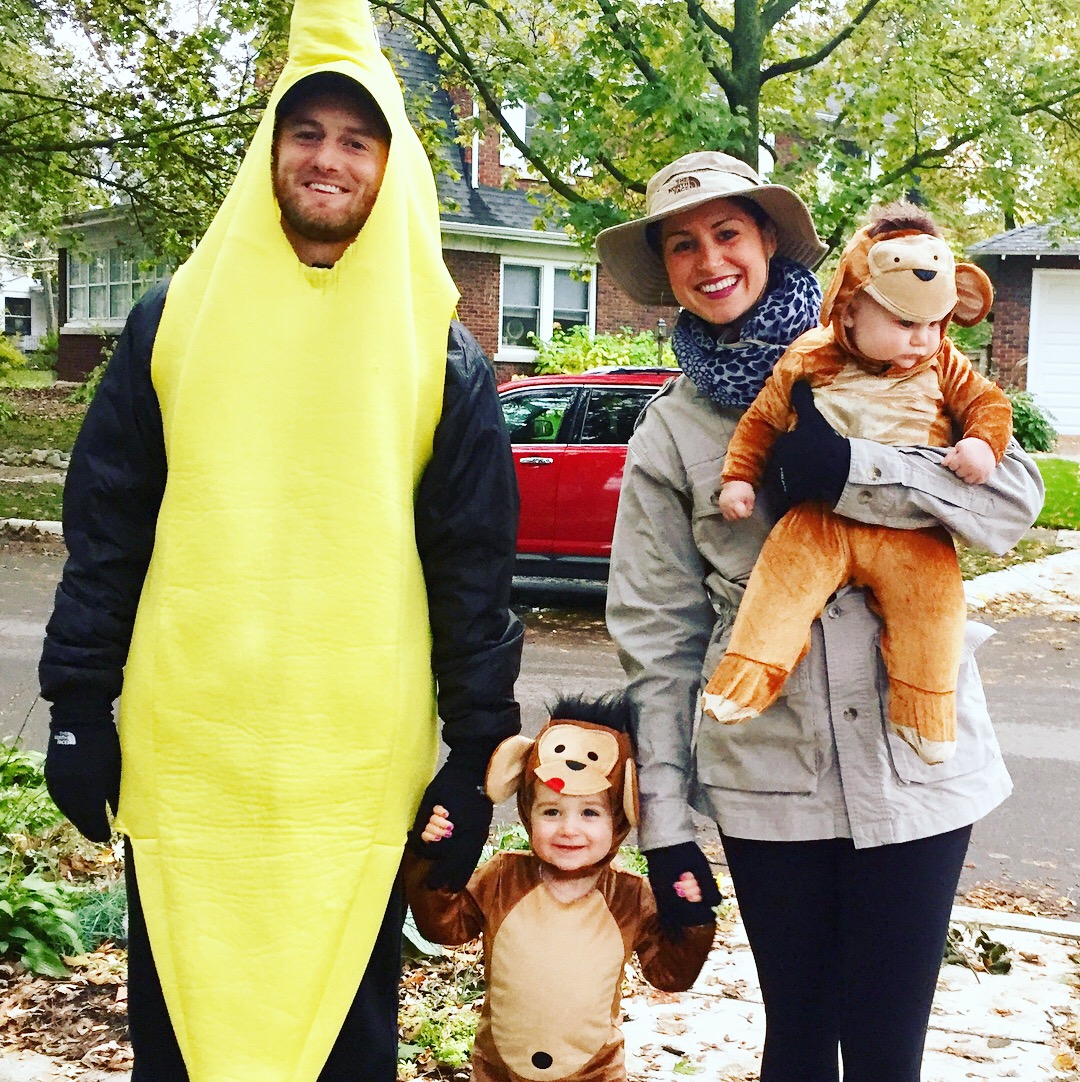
<point>575,760</point>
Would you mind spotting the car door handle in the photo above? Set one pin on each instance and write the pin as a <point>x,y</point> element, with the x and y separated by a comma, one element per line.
<point>536,461</point>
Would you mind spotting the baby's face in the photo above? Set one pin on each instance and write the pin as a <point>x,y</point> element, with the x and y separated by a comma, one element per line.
<point>879,335</point>
<point>570,833</point>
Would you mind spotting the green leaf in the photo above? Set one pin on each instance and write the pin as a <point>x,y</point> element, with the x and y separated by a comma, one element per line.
<point>39,958</point>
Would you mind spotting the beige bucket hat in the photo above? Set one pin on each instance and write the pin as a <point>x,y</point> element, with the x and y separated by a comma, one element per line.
<point>689,182</point>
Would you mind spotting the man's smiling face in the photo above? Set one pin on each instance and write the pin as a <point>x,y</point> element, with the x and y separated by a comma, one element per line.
<point>329,158</point>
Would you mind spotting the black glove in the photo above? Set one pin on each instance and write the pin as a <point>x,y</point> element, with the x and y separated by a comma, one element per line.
<point>82,771</point>
<point>458,787</point>
<point>666,865</point>
<point>813,460</point>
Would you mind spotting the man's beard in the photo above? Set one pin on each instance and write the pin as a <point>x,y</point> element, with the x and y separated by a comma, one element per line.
<point>318,228</point>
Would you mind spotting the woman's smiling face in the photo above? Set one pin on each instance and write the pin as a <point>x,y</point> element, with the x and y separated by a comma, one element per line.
<point>717,259</point>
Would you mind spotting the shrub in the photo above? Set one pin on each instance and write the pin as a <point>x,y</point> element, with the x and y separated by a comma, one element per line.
<point>8,412</point>
<point>1031,424</point>
<point>25,805</point>
<point>44,357</point>
<point>578,350</point>
<point>37,919</point>
<point>84,393</point>
<point>11,357</point>
<point>102,914</point>
<point>37,924</point>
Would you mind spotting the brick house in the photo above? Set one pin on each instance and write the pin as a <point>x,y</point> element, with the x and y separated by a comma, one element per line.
<point>1036,316</point>
<point>515,280</point>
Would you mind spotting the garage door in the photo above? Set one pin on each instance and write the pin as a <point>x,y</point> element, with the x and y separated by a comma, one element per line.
<point>1053,374</point>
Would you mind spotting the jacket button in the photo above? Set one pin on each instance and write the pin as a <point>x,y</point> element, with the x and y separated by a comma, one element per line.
<point>875,473</point>
<point>833,611</point>
<point>865,495</point>
<point>850,714</point>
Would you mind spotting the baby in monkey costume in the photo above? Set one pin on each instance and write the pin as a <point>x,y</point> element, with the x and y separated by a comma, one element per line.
<point>882,368</point>
<point>559,922</point>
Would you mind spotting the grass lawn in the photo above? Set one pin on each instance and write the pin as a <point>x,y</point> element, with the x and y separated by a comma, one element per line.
<point>44,419</point>
<point>21,499</point>
<point>28,377</point>
<point>1061,509</point>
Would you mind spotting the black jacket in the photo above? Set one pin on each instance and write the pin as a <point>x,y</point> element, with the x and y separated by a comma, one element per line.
<point>466,525</point>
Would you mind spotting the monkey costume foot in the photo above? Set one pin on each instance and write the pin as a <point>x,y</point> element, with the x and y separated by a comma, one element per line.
<point>925,720</point>
<point>741,688</point>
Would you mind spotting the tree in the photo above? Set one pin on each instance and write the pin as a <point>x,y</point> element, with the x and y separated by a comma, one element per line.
<point>104,102</point>
<point>149,103</point>
<point>972,106</point>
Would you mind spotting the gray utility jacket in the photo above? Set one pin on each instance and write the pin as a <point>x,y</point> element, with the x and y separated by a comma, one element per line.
<point>821,762</point>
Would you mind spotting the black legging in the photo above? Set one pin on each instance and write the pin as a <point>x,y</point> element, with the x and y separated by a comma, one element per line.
<point>365,1048</point>
<point>848,943</point>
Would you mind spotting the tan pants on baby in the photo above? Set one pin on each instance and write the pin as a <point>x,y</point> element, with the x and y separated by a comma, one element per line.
<point>916,585</point>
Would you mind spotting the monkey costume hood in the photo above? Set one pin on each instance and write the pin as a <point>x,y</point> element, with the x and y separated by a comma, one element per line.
<point>278,721</point>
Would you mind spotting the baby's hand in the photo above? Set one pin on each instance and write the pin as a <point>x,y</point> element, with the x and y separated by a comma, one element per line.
<point>736,500</point>
<point>971,459</point>
<point>438,826</point>
<point>688,888</point>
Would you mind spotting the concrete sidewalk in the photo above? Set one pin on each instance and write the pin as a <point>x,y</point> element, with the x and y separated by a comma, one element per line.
<point>982,1026</point>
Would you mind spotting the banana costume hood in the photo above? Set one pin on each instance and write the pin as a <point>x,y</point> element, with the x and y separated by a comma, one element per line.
<point>278,720</point>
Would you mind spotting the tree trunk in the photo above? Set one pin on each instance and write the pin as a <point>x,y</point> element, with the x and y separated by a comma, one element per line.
<point>745,92</point>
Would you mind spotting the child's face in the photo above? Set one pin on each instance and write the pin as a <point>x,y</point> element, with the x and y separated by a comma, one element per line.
<point>570,833</point>
<point>879,335</point>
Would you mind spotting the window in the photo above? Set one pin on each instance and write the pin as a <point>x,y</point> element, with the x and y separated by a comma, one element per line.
<point>103,285</point>
<point>610,415</point>
<point>538,299</point>
<point>522,118</point>
<point>537,416</point>
<point>17,315</point>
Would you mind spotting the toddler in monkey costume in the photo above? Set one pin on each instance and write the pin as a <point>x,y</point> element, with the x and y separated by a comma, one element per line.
<point>882,368</point>
<point>559,923</point>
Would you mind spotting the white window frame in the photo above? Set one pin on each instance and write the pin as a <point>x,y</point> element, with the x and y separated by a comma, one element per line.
<point>5,316</point>
<point>132,275</point>
<point>546,317</point>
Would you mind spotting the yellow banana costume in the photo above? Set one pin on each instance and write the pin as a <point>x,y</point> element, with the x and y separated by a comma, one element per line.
<point>277,719</point>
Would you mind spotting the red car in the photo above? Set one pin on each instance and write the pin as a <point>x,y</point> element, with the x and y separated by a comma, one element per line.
<point>569,436</point>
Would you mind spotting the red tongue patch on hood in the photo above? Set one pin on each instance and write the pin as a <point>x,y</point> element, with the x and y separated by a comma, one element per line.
<point>555,783</point>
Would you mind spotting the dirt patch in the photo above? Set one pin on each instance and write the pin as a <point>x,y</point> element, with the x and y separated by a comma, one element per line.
<point>50,403</point>
<point>81,1018</point>
<point>1033,899</point>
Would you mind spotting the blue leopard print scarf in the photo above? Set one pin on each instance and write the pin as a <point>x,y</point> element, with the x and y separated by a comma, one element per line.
<point>732,373</point>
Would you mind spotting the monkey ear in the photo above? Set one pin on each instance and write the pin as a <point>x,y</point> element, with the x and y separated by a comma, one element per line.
<point>630,793</point>
<point>975,293</point>
<point>506,768</point>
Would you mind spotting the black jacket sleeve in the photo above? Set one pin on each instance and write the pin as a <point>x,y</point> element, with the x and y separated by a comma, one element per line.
<point>466,531</point>
<point>114,488</point>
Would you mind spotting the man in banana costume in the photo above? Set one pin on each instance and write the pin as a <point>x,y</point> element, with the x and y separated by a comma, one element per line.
<point>290,517</point>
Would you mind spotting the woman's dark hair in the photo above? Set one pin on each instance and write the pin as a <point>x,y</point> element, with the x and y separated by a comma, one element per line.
<point>654,230</point>
<point>323,84</point>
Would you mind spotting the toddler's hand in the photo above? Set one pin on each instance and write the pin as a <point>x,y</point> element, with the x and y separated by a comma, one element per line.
<point>688,888</point>
<point>438,826</point>
<point>736,500</point>
<point>971,459</point>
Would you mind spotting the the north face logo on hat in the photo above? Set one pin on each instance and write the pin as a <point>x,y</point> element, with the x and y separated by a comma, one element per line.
<point>683,184</point>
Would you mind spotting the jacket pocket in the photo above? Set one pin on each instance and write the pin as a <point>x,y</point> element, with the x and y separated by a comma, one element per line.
<point>776,752</point>
<point>976,743</point>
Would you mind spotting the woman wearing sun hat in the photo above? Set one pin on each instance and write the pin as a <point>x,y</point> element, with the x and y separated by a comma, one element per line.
<point>844,859</point>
